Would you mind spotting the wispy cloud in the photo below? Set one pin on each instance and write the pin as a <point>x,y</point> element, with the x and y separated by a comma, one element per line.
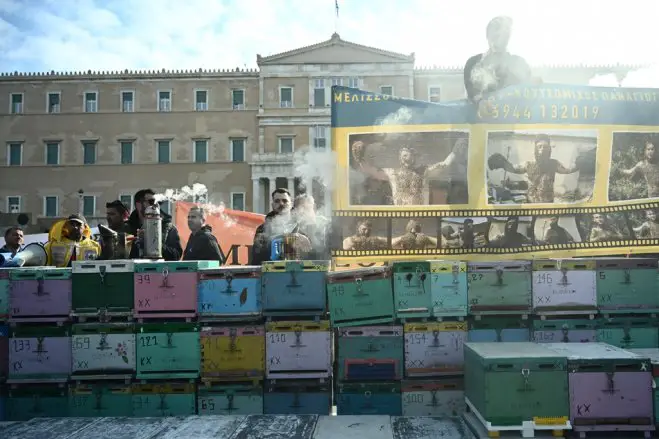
<point>42,35</point>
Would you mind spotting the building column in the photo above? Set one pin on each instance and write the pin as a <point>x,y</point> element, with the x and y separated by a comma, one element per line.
<point>256,195</point>
<point>308,184</point>
<point>272,186</point>
<point>291,186</point>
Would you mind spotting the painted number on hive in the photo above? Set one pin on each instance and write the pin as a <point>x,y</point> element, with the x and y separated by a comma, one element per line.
<point>477,276</point>
<point>414,398</point>
<point>143,278</point>
<point>543,278</point>
<point>149,340</point>
<point>277,338</point>
<point>81,343</point>
<point>21,345</point>
<point>208,404</point>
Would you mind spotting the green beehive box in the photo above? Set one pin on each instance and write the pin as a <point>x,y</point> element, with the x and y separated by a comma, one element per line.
<point>626,285</point>
<point>511,383</point>
<point>498,288</point>
<point>100,400</point>
<point>102,287</point>
<point>146,266</point>
<point>168,350</point>
<point>412,293</point>
<point>37,401</point>
<point>629,332</point>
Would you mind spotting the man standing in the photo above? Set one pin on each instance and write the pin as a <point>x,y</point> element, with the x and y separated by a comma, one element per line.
<point>114,244</point>
<point>277,222</point>
<point>510,238</point>
<point>171,242</point>
<point>409,183</point>
<point>556,234</point>
<point>497,68</point>
<point>648,168</point>
<point>70,240</point>
<point>540,172</point>
<point>362,239</point>
<point>202,245</point>
<point>116,214</point>
<point>13,241</point>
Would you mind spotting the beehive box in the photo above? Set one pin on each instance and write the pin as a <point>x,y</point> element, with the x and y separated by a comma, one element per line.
<point>298,350</point>
<point>442,397</point>
<point>40,294</point>
<point>608,386</point>
<point>4,352</point>
<point>434,349</point>
<point>629,332</point>
<point>294,288</point>
<point>100,400</point>
<point>508,384</point>
<point>565,331</point>
<point>230,399</point>
<point>104,288</point>
<point>627,285</point>
<point>506,329</point>
<point>369,398</point>
<point>232,352</point>
<point>103,350</point>
<point>564,286</point>
<point>37,401</point>
<point>360,297</point>
<point>297,397</point>
<point>412,293</point>
<point>499,287</point>
<point>163,399</point>
<point>448,286</point>
<point>653,355</point>
<point>370,353</point>
<point>229,293</point>
<point>39,353</point>
<point>168,350</point>
<point>167,289</point>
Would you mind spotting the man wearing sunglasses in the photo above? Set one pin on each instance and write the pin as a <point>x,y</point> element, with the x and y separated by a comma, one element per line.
<point>171,241</point>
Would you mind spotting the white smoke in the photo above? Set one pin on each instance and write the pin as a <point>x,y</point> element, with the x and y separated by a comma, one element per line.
<point>647,77</point>
<point>198,194</point>
<point>401,117</point>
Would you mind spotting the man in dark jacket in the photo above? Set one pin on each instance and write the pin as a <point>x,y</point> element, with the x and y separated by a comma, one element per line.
<point>277,222</point>
<point>171,242</point>
<point>202,245</point>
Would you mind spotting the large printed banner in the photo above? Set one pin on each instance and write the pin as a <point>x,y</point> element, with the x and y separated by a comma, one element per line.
<point>535,171</point>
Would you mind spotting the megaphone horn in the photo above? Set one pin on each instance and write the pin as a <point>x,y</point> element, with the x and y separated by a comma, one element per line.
<point>32,255</point>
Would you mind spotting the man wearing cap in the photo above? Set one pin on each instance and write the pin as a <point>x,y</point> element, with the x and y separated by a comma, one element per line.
<point>71,240</point>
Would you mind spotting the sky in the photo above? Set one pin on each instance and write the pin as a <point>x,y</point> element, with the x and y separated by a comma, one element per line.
<point>65,35</point>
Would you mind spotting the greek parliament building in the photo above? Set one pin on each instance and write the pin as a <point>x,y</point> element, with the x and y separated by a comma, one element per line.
<point>76,140</point>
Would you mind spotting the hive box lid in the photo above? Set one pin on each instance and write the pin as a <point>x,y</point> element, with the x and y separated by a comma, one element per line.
<point>513,350</point>
<point>593,351</point>
<point>652,354</point>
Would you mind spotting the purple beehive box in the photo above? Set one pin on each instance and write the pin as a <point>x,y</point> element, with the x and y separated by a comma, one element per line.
<point>40,294</point>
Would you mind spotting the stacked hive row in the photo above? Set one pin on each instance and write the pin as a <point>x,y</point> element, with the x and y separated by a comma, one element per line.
<point>588,387</point>
<point>161,332</point>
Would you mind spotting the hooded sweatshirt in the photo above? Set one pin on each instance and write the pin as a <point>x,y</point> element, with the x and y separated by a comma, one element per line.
<point>171,245</point>
<point>203,246</point>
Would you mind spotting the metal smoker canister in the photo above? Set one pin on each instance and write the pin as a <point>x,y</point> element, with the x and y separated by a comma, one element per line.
<point>152,233</point>
<point>284,248</point>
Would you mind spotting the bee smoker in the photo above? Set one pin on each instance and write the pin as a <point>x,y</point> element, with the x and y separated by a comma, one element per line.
<point>152,244</point>
<point>115,244</point>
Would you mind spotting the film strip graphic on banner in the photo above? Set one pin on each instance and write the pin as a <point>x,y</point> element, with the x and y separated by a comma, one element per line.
<point>494,231</point>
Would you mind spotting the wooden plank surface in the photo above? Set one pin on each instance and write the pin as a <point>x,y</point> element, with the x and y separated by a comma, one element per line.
<point>276,427</point>
<point>357,427</point>
<point>430,428</point>
<point>51,428</point>
<point>125,428</point>
<point>202,427</point>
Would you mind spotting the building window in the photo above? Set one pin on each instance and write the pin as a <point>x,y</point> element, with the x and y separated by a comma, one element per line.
<point>16,103</point>
<point>127,199</point>
<point>320,136</point>
<point>91,102</point>
<point>201,100</point>
<point>52,153</point>
<point>14,204</point>
<point>353,82</point>
<point>164,100</point>
<point>337,81</point>
<point>285,145</point>
<point>53,103</point>
<point>319,92</point>
<point>50,206</point>
<point>433,94</point>
<point>238,200</point>
<point>89,153</point>
<point>126,152</point>
<point>127,101</point>
<point>237,150</point>
<point>286,97</point>
<point>166,207</point>
<point>387,90</point>
<point>164,149</point>
<point>200,151</point>
<point>238,99</point>
<point>14,154</point>
<point>89,205</point>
